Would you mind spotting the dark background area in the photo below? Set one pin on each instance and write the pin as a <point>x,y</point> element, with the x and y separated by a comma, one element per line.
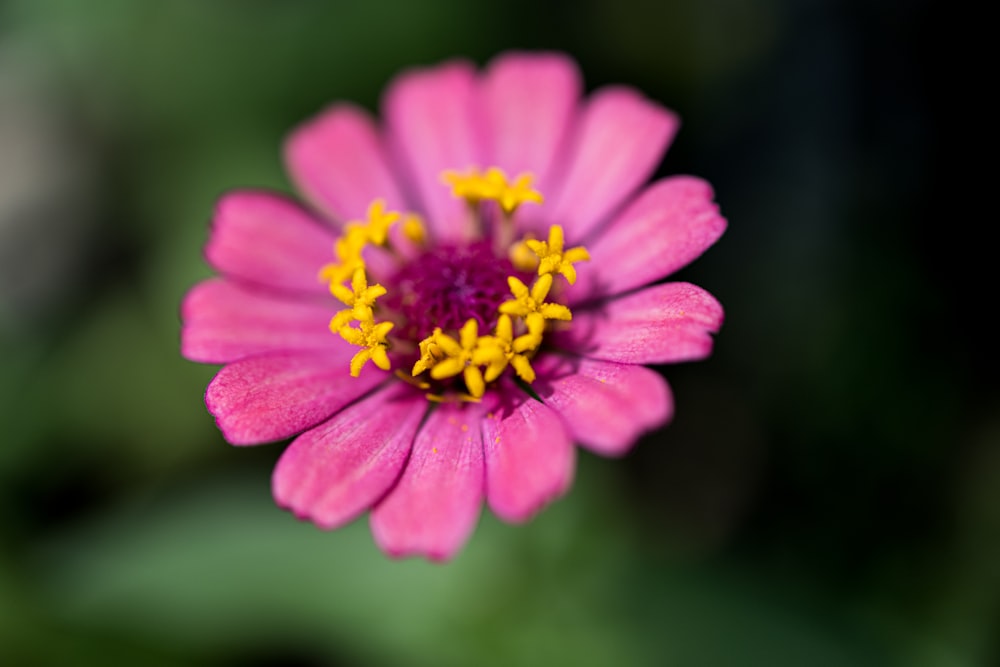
<point>829,490</point>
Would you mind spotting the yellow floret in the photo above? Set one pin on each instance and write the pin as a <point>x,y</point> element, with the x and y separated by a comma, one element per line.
<point>553,259</point>
<point>360,297</point>
<point>522,256</point>
<point>509,350</point>
<point>530,304</point>
<point>413,228</point>
<point>376,226</point>
<point>464,356</point>
<point>430,353</point>
<point>371,337</point>
<point>492,185</point>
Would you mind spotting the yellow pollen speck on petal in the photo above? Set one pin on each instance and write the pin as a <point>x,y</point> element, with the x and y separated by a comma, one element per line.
<point>434,450</point>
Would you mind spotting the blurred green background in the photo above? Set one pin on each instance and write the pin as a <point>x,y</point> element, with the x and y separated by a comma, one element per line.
<point>829,491</point>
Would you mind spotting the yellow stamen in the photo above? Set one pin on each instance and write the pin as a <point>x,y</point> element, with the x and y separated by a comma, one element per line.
<point>452,398</point>
<point>376,227</point>
<point>413,228</point>
<point>350,245</point>
<point>530,304</point>
<point>522,257</point>
<point>510,350</point>
<point>430,353</point>
<point>463,356</point>
<point>371,337</point>
<point>361,298</point>
<point>494,186</point>
<point>347,249</point>
<point>520,191</point>
<point>419,384</point>
<point>336,273</point>
<point>468,186</point>
<point>552,257</point>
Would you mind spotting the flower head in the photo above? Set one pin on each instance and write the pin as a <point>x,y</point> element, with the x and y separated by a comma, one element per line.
<point>491,253</point>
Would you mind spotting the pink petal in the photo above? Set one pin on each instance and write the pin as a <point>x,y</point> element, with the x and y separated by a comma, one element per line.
<point>434,506</point>
<point>529,458</point>
<point>618,143</point>
<point>225,321</point>
<point>669,225</point>
<point>529,101</point>
<point>433,123</point>
<point>276,395</point>
<point>605,406</point>
<point>662,324</point>
<point>262,238</point>
<point>338,162</point>
<point>334,472</point>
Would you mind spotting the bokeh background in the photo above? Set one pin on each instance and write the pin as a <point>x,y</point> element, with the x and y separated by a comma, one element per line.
<point>828,493</point>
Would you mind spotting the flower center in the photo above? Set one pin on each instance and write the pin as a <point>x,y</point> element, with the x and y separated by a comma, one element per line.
<point>446,287</point>
<point>450,290</point>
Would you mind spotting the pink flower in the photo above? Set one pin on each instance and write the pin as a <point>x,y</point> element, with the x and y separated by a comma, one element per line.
<point>451,245</point>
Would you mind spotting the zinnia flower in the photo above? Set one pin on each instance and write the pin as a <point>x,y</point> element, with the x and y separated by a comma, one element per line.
<point>465,296</point>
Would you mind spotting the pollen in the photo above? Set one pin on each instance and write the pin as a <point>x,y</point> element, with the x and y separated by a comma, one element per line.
<point>553,259</point>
